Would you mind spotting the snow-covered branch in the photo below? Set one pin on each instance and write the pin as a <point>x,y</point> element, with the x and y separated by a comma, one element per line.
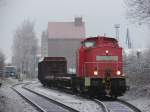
<point>139,10</point>
<point>137,68</point>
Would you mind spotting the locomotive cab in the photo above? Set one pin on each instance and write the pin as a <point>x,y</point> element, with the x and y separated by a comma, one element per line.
<point>88,44</point>
<point>100,67</point>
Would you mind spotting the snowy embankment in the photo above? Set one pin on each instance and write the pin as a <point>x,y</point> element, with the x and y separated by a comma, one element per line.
<point>137,69</point>
<point>140,97</point>
<point>10,101</point>
<point>81,104</point>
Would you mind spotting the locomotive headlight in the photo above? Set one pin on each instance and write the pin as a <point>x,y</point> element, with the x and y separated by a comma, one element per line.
<point>107,51</point>
<point>118,72</point>
<point>95,72</point>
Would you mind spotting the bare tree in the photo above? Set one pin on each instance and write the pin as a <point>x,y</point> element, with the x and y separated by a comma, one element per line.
<point>25,49</point>
<point>139,10</point>
<point>137,67</point>
<point>2,60</point>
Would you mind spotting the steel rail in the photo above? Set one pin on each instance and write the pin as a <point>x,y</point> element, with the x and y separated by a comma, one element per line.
<point>129,105</point>
<point>30,101</point>
<point>104,107</point>
<point>54,101</point>
<point>44,97</point>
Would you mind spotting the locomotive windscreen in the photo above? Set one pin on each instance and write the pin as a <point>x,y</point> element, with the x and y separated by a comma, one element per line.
<point>106,58</point>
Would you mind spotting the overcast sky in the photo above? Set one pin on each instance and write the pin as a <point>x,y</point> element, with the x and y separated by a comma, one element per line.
<point>99,16</point>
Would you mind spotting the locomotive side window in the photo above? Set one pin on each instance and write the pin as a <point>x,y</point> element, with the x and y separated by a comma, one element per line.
<point>89,44</point>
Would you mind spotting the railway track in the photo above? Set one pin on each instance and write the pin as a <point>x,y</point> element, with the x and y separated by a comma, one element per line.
<point>42,103</point>
<point>108,106</point>
<point>117,106</point>
<point>80,103</point>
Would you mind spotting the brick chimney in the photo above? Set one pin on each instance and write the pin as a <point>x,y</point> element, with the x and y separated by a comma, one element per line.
<point>78,21</point>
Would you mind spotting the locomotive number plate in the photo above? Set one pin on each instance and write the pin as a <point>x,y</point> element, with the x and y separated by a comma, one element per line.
<point>106,58</point>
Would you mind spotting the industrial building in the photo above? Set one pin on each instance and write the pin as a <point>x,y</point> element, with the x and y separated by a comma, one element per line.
<point>63,39</point>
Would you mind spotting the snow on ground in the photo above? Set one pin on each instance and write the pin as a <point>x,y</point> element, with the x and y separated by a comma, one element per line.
<point>140,97</point>
<point>83,105</point>
<point>10,101</point>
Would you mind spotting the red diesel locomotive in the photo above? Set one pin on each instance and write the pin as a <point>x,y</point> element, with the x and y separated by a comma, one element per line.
<point>99,69</point>
<point>100,66</point>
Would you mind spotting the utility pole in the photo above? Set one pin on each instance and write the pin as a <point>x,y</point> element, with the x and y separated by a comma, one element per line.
<point>128,40</point>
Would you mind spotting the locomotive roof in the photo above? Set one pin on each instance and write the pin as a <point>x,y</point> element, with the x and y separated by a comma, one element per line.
<point>101,38</point>
<point>103,41</point>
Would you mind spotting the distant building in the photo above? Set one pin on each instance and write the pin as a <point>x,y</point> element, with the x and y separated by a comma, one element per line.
<point>63,39</point>
<point>10,71</point>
